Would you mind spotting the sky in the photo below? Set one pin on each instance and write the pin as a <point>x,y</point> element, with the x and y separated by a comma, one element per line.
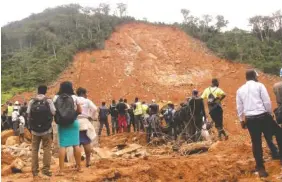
<point>236,11</point>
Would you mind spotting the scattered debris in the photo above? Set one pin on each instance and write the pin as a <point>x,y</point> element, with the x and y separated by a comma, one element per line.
<point>198,147</point>
<point>103,153</point>
<point>129,149</point>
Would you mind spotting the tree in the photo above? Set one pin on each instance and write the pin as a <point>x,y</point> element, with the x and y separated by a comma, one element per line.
<point>105,8</point>
<point>185,13</point>
<point>257,23</point>
<point>267,26</point>
<point>277,20</point>
<point>221,22</point>
<point>207,19</point>
<point>121,9</point>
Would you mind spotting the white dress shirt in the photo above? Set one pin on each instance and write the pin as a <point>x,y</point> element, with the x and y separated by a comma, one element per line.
<point>15,115</point>
<point>252,99</point>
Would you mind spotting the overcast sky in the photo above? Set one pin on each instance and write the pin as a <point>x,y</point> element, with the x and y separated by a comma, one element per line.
<point>236,11</point>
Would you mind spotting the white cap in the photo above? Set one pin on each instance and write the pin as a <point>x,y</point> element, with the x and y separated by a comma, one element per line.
<point>17,103</point>
<point>153,100</point>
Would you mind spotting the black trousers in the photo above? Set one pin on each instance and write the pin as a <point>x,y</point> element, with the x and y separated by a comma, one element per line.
<point>216,114</point>
<point>132,122</point>
<point>102,123</point>
<point>257,125</point>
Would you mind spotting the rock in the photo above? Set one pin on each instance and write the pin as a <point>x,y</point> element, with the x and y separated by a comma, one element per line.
<point>18,163</point>
<point>134,139</point>
<point>12,140</point>
<point>103,152</point>
<point>21,153</point>
<point>23,145</point>
<point>177,62</point>
<point>5,135</point>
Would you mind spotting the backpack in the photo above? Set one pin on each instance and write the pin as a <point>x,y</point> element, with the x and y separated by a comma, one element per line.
<point>65,112</point>
<point>113,110</point>
<point>278,114</point>
<point>40,115</point>
<point>211,98</point>
<point>103,114</point>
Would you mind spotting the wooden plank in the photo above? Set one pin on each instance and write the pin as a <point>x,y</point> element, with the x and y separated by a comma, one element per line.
<point>130,148</point>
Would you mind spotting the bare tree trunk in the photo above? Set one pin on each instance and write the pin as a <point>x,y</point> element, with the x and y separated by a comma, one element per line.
<point>54,51</point>
<point>260,32</point>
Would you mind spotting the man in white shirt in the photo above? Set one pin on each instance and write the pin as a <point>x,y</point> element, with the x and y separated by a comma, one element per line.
<point>253,103</point>
<point>15,119</point>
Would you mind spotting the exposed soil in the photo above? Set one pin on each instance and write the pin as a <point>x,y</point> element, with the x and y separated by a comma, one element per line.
<point>162,63</point>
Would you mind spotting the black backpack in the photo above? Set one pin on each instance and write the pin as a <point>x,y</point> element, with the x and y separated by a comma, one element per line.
<point>113,110</point>
<point>40,116</point>
<point>65,112</point>
<point>278,114</point>
<point>211,98</point>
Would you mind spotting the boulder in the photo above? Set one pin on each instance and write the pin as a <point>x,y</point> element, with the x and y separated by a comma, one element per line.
<point>5,135</point>
<point>12,140</point>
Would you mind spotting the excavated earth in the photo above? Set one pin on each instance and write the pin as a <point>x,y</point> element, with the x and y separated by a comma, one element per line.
<point>162,63</point>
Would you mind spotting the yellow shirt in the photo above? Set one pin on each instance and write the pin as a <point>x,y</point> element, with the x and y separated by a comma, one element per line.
<point>10,110</point>
<point>217,92</point>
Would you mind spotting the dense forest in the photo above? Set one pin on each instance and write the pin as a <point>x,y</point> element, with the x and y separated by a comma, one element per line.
<point>37,49</point>
<point>262,47</point>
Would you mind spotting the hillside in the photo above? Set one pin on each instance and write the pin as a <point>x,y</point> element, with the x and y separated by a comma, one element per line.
<point>39,48</point>
<point>162,62</point>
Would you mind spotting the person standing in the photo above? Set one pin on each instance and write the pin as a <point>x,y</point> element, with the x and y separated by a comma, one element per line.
<point>169,118</point>
<point>86,129</point>
<point>128,117</point>
<point>254,104</point>
<point>15,120</point>
<point>196,104</point>
<point>138,114</point>
<point>215,95</point>
<point>10,110</point>
<point>132,119</point>
<point>40,112</point>
<point>21,128</point>
<point>103,118</point>
<point>23,113</point>
<point>114,116</point>
<point>153,108</point>
<point>67,110</point>
<point>122,116</point>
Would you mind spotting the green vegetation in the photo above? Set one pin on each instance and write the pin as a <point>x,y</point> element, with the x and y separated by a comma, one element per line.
<point>37,49</point>
<point>262,47</point>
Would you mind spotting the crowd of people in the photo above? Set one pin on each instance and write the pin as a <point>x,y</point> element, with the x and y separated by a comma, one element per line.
<point>74,115</point>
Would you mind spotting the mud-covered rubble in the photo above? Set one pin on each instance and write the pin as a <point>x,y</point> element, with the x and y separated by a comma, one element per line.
<point>127,151</point>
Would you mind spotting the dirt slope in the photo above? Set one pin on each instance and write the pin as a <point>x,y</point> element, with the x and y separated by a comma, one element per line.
<point>163,63</point>
<point>157,62</point>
